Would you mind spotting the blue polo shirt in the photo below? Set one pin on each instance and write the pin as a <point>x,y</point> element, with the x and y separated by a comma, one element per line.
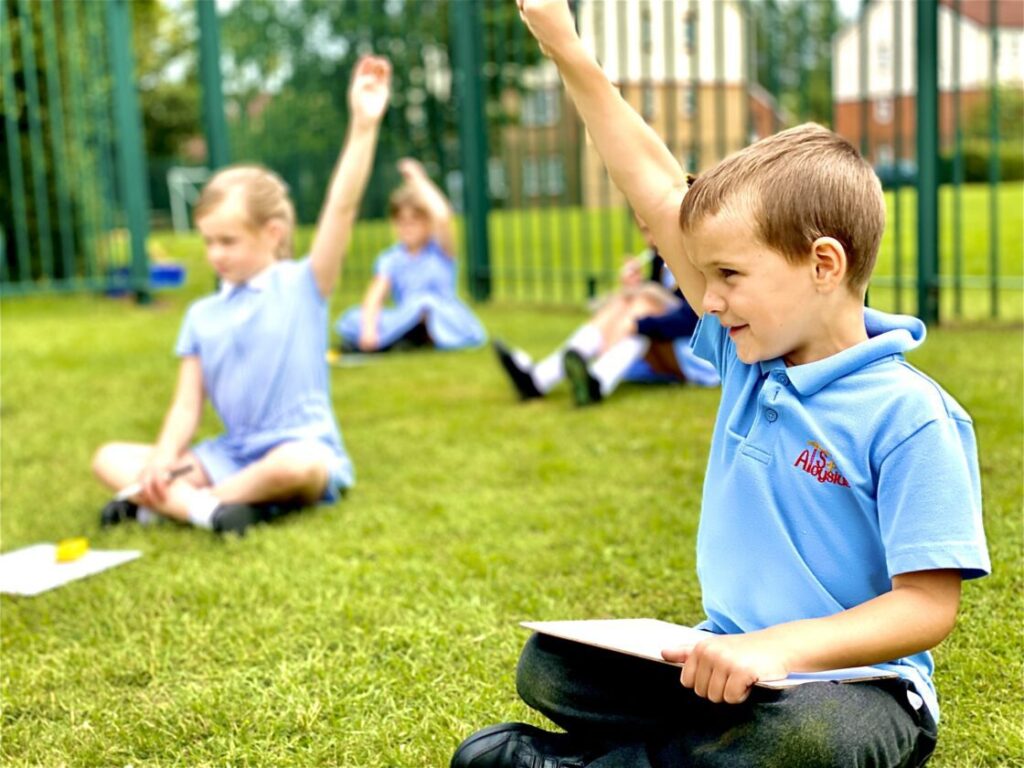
<point>825,480</point>
<point>261,346</point>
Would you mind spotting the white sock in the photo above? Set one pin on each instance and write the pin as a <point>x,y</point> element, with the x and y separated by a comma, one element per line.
<point>613,364</point>
<point>200,510</point>
<point>586,340</point>
<point>146,516</point>
<point>549,372</point>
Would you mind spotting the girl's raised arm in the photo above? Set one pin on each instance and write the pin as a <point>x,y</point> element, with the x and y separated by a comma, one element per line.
<point>369,91</point>
<point>433,199</point>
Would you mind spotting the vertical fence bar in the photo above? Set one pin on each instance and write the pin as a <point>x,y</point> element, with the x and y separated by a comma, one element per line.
<point>605,209</point>
<point>897,100</point>
<point>82,164</point>
<point>625,20</point>
<point>863,86</point>
<point>749,69</point>
<point>993,161</point>
<point>694,20</point>
<point>771,17</point>
<point>100,96</point>
<point>804,37</point>
<point>10,104</point>
<point>721,148</point>
<point>584,218</point>
<point>958,168</point>
<point>927,161</point>
<point>58,148</point>
<point>465,21</point>
<point>37,155</point>
<point>131,154</point>
<point>218,148</point>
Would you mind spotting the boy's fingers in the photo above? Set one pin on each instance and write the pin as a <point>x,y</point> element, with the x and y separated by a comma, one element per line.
<point>676,655</point>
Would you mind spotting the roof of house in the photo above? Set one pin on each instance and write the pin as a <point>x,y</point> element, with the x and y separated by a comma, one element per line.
<point>1009,13</point>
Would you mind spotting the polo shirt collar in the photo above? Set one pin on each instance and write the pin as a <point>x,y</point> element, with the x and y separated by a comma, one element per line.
<point>888,335</point>
<point>257,282</point>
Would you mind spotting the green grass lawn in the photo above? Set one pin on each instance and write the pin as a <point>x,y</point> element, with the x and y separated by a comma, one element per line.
<point>381,630</point>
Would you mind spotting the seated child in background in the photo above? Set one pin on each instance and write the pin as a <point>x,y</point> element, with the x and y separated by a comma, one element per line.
<point>642,333</point>
<point>419,272</point>
<point>256,349</point>
<point>841,504</point>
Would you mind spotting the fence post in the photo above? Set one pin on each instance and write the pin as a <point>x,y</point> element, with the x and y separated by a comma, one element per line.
<point>465,20</point>
<point>927,161</point>
<point>217,147</point>
<point>132,165</point>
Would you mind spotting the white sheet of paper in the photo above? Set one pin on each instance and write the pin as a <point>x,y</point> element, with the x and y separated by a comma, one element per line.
<point>32,570</point>
<point>647,637</point>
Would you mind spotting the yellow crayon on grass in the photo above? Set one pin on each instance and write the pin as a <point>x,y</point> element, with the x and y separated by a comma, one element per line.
<point>69,550</point>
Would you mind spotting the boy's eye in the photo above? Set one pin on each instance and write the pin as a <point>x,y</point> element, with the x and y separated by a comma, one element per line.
<point>727,273</point>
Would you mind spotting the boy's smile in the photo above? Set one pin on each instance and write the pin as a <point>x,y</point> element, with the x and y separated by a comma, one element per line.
<point>772,308</point>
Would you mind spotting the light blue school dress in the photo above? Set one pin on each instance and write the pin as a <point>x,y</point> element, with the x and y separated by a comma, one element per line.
<point>261,347</point>
<point>423,288</point>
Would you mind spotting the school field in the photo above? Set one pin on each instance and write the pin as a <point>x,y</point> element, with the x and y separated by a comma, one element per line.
<point>380,631</point>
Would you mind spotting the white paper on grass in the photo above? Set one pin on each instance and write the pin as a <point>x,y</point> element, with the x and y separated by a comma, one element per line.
<point>32,570</point>
<point>646,638</point>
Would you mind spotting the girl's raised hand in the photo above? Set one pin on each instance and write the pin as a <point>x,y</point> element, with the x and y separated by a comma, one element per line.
<point>370,88</point>
<point>550,22</point>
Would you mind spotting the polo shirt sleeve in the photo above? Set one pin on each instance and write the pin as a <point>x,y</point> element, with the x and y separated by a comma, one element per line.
<point>188,342</point>
<point>712,343</point>
<point>929,501</point>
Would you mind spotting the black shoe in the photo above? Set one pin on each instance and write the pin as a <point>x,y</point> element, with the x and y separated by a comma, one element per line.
<point>521,379</point>
<point>517,745</point>
<point>586,390</point>
<point>116,512</point>
<point>235,518</point>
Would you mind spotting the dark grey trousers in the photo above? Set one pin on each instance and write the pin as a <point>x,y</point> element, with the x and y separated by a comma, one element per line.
<point>634,713</point>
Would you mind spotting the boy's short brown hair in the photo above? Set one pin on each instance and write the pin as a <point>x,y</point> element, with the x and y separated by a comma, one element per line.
<point>406,197</point>
<point>798,185</point>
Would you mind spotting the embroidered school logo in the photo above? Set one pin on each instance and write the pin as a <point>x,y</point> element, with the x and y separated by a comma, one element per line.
<point>815,461</point>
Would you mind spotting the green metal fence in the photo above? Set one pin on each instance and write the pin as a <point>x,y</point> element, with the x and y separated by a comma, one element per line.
<point>478,104</point>
<point>73,212</point>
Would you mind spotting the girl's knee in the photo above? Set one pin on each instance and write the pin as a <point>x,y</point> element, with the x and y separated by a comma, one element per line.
<point>298,467</point>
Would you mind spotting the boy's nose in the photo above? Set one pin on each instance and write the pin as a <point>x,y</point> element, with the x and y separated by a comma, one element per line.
<point>712,302</point>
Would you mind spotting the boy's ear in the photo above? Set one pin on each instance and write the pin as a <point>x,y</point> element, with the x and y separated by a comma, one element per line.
<point>828,257</point>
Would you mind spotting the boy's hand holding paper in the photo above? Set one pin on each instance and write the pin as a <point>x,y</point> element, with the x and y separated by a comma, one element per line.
<point>725,667</point>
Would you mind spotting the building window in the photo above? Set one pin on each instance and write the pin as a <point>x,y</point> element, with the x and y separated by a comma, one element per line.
<point>542,107</point>
<point>645,29</point>
<point>690,31</point>
<point>496,180</point>
<point>689,102</point>
<point>883,110</point>
<point>647,102</point>
<point>884,58</point>
<point>543,176</point>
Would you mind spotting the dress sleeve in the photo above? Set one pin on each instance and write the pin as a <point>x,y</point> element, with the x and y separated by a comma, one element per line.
<point>188,342</point>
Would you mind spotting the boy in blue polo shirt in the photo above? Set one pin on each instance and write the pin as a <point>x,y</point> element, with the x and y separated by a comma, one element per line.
<point>842,503</point>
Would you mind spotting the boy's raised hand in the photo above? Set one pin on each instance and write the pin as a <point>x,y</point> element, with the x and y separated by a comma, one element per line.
<point>724,667</point>
<point>550,22</point>
<point>370,88</point>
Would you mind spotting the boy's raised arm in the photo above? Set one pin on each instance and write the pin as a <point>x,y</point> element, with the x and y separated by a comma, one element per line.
<point>369,91</point>
<point>637,159</point>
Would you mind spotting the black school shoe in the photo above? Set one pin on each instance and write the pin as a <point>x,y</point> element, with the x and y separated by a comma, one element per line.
<point>521,379</point>
<point>586,390</point>
<point>116,512</point>
<point>518,745</point>
<point>236,518</point>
